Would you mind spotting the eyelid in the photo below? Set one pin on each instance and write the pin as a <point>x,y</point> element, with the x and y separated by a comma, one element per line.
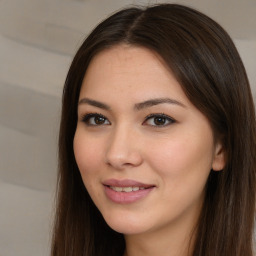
<point>85,118</point>
<point>170,119</point>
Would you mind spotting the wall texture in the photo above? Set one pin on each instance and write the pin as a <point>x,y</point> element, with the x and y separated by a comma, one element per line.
<point>37,41</point>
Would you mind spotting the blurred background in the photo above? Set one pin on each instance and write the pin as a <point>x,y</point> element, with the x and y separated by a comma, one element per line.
<point>37,41</point>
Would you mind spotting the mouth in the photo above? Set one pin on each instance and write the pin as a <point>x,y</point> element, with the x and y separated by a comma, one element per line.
<point>126,191</point>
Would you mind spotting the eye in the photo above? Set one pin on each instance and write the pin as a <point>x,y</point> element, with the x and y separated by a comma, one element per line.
<point>94,119</point>
<point>159,120</point>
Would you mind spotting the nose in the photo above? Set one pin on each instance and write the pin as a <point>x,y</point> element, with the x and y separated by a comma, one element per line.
<point>123,149</point>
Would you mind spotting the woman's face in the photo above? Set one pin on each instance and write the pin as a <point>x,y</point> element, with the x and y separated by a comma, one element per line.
<point>143,150</point>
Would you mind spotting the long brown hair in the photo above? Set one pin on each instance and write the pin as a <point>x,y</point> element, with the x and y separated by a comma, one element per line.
<point>206,63</point>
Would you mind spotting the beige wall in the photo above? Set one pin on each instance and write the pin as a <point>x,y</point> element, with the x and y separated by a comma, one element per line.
<point>37,41</point>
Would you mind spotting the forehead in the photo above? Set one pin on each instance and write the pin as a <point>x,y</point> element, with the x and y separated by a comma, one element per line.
<point>131,70</point>
<point>125,58</point>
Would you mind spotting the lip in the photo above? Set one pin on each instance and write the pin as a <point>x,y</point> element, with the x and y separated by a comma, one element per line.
<point>126,197</point>
<point>126,183</point>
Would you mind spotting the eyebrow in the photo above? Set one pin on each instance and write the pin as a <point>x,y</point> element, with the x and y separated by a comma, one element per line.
<point>138,106</point>
<point>153,102</point>
<point>93,103</point>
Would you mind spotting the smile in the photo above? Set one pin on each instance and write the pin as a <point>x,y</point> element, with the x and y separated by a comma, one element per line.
<point>126,191</point>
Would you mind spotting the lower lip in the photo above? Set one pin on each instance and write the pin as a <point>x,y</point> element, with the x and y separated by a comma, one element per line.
<point>126,197</point>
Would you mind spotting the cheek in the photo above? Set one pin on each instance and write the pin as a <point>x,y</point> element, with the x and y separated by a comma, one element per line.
<point>184,167</point>
<point>87,154</point>
<point>183,159</point>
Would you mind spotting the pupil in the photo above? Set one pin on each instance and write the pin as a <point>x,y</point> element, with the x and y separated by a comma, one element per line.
<point>99,120</point>
<point>159,120</point>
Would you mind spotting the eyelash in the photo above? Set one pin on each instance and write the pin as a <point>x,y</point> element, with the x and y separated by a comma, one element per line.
<point>86,119</point>
<point>160,115</point>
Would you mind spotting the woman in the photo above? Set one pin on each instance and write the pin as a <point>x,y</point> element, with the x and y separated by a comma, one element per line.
<point>157,140</point>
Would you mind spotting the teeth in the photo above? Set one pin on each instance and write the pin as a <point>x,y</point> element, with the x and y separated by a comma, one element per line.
<point>126,189</point>
<point>118,189</point>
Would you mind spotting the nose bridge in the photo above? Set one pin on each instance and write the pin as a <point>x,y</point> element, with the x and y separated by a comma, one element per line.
<point>123,147</point>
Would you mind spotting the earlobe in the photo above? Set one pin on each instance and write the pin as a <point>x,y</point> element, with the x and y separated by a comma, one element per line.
<point>219,159</point>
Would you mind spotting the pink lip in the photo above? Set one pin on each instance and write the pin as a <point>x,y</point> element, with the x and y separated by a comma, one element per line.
<point>126,197</point>
<point>126,183</point>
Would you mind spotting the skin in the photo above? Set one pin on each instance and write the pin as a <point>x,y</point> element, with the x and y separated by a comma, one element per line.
<point>175,156</point>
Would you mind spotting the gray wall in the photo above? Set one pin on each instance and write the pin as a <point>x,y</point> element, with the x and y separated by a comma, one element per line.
<point>37,41</point>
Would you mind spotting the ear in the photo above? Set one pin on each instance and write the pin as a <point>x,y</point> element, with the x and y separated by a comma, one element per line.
<point>219,158</point>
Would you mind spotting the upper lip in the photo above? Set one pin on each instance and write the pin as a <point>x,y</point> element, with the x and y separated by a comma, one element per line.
<point>126,183</point>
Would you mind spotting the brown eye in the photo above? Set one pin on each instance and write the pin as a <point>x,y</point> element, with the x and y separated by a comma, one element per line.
<point>158,120</point>
<point>95,120</point>
<point>99,120</point>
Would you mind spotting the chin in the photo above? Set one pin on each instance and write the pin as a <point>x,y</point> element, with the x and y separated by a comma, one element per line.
<point>125,225</point>
<point>127,229</point>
